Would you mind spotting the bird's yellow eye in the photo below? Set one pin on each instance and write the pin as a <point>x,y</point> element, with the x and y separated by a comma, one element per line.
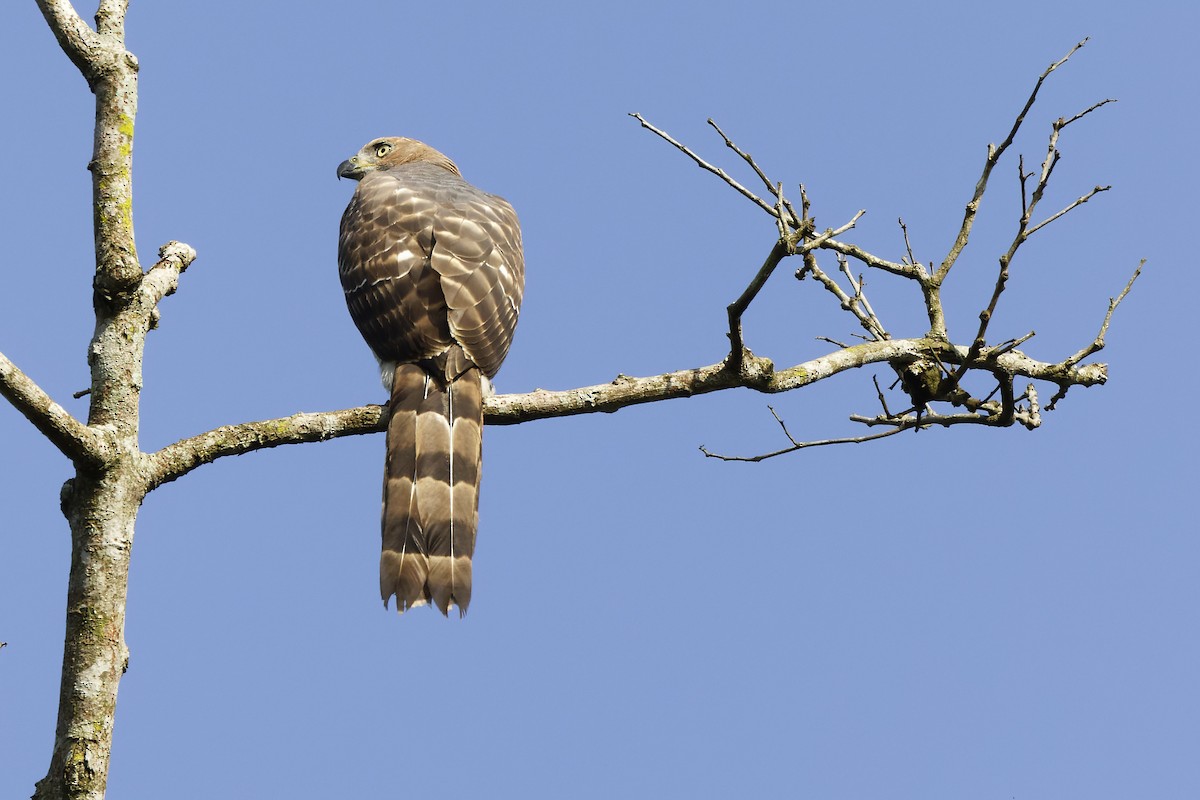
<point>382,149</point>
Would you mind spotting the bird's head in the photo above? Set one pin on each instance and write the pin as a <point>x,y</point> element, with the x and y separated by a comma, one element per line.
<point>391,151</point>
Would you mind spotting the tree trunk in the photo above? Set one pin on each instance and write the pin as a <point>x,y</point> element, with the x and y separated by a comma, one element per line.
<point>101,511</point>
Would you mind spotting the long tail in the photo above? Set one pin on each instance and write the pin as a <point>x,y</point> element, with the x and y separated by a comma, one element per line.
<point>431,489</point>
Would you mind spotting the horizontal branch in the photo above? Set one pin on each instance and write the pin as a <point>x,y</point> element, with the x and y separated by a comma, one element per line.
<point>625,391</point>
<point>751,372</point>
<point>176,460</point>
<point>78,442</point>
<point>511,409</point>
<point>180,458</point>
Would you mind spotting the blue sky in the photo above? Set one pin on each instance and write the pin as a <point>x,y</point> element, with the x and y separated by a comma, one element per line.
<point>948,614</point>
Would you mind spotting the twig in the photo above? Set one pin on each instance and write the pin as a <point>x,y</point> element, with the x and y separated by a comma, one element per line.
<point>1011,344</point>
<point>1024,231</point>
<point>879,394</point>
<point>860,298</point>
<point>782,424</point>
<point>800,446</point>
<point>993,156</point>
<point>857,253</point>
<point>912,260</point>
<point>762,176</point>
<point>784,247</point>
<point>786,214</point>
<point>871,325</point>
<point>1078,202</point>
<point>1098,343</point>
<point>781,221</point>
<point>1022,177</point>
<point>1062,123</point>
<point>700,162</point>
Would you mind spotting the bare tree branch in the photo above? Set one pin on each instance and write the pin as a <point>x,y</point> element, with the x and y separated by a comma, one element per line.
<point>180,458</point>
<point>912,260</point>
<point>1012,344</point>
<point>1078,202</point>
<point>859,305</point>
<point>925,377</point>
<point>700,162</point>
<point>771,186</point>
<point>627,391</point>
<point>802,445</point>
<point>866,317</point>
<point>738,307</point>
<point>784,211</point>
<point>77,40</point>
<point>857,253</point>
<point>1097,344</point>
<point>1024,231</point>
<point>110,18</point>
<point>786,246</point>
<point>111,73</point>
<point>758,374</point>
<point>795,445</point>
<point>163,278</point>
<point>994,153</point>
<point>83,445</point>
<point>1062,123</point>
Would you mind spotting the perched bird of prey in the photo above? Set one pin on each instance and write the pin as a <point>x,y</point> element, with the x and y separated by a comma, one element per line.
<point>433,273</point>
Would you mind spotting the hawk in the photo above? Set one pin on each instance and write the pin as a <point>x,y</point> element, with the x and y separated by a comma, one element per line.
<point>433,273</point>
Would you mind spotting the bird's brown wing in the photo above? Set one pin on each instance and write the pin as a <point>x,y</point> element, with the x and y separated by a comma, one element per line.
<point>433,274</point>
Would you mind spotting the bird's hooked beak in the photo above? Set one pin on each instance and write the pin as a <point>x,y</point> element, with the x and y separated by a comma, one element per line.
<point>350,168</point>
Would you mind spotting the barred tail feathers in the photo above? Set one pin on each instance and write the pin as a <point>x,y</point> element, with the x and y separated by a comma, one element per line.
<point>403,565</point>
<point>431,489</point>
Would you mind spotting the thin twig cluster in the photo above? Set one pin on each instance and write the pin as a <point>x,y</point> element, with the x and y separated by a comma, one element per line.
<point>933,378</point>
